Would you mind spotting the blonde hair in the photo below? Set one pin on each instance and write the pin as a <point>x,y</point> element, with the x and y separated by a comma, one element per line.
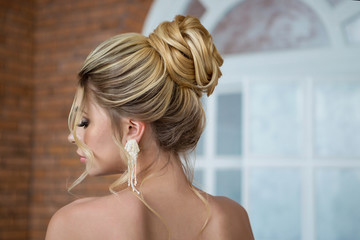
<point>157,79</point>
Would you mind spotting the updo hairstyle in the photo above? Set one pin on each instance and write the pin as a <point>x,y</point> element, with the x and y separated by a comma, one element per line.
<point>157,79</point>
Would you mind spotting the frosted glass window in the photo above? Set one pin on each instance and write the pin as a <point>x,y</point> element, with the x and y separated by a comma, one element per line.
<point>337,204</point>
<point>200,146</point>
<point>275,204</point>
<point>276,114</point>
<point>351,29</point>
<point>199,178</point>
<point>228,183</point>
<point>337,118</point>
<point>228,131</point>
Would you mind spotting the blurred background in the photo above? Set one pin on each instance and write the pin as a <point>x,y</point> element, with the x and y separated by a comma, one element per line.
<point>283,126</point>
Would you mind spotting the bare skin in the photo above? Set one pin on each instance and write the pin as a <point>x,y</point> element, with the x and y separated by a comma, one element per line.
<point>167,192</point>
<point>124,216</point>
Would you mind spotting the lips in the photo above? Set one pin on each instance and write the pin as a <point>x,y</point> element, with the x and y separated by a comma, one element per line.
<point>82,159</point>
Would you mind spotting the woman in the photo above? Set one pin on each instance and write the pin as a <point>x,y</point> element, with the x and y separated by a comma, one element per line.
<point>137,111</point>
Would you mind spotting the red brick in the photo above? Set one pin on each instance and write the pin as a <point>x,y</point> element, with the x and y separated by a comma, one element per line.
<point>45,43</point>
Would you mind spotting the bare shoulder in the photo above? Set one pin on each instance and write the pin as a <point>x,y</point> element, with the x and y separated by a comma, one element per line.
<point>229,220</point>
<point>96,218</point>
<point>225,207</point>
<point>66,222</point>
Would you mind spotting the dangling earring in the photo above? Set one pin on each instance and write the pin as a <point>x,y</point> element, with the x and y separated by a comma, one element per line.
<point>132,148</point>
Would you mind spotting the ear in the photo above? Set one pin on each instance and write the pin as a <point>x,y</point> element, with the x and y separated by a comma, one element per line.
<point>132,129</point>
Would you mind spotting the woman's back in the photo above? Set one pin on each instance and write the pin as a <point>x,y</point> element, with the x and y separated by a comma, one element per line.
<point>124,216</point>
<point>169,206</point>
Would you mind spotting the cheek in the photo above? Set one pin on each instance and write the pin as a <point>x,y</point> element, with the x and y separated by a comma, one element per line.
<point>97,140</point>
<point>102,144</point>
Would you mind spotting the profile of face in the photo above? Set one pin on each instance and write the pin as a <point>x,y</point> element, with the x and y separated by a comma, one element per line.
<point>95,131</point>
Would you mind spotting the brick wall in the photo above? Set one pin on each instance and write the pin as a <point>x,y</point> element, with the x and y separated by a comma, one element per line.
<point>66,32</point>
<point>43,44</point>
<point>16,100</point>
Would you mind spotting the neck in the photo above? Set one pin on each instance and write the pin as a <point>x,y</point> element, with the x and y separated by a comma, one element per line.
<point>158,169</point>
<point>161,170</point>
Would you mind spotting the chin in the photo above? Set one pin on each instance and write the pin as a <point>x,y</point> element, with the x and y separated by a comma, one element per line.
<point>94,171</point>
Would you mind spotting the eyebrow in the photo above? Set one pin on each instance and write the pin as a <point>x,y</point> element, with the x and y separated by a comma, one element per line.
<point>77,108</point>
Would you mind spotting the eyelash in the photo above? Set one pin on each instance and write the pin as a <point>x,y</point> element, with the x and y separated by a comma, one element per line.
<point>84,123</point>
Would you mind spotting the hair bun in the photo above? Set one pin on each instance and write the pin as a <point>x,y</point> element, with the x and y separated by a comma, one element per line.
<point>190,57</point>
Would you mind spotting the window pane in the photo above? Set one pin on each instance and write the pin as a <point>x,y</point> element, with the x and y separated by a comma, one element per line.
<point>337,119</point>
<point>199,179</point>
<point>228,183</point>
<point>228,130</point>
<point>275,204</point>
<point>200,148</point>
<point>351,29</point>
<point>337,204</point>
<point>275,118</point>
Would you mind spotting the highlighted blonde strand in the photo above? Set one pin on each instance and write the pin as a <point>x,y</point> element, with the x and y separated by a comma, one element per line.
<point>159,80</point>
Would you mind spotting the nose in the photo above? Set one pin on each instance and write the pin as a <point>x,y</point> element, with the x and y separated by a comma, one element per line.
<point>71,138</point>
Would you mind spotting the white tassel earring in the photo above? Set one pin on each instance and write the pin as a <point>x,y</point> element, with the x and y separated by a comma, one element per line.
<point>132,148</point>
